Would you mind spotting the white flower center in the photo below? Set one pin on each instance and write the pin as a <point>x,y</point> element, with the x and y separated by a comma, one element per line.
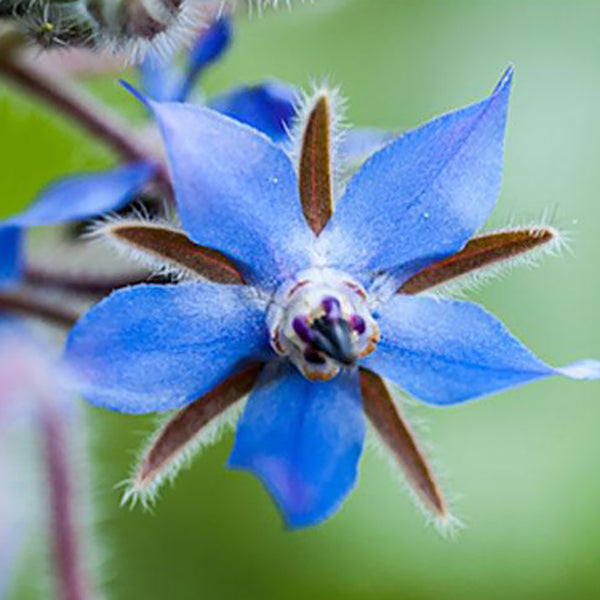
<point>321,321</point>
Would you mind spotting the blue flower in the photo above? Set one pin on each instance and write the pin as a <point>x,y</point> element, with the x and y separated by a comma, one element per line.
<point>305,307</point>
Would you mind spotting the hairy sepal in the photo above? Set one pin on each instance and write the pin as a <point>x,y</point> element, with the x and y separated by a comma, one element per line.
<point>485,256</point>
<point>183,434</point>
<point>305,106</point>
<point>396,436</point>
<point>314,166</point>
<point>168,250</point>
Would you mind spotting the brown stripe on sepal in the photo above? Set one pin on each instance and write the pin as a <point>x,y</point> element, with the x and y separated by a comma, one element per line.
<point>315,176</point>
<point>396,434</point>
<point>480,252</point>
<point>168,449</point>
<point>173,248</point>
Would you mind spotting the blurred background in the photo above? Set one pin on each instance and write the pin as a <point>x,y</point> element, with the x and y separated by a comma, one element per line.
<point>522,467</point>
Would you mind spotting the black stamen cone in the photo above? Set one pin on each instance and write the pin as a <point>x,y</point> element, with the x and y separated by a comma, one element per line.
<point>334,338</point>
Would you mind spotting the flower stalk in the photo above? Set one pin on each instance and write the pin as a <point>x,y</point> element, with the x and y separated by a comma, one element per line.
<point>79,284</point>
<point>98,120</point>
<point>27,305</point>
<point>65,545</point>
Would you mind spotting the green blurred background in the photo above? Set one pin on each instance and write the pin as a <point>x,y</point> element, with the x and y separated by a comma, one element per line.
<point>523,466</point>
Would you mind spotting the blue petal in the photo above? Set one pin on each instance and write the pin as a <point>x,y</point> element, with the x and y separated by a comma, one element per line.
<point>84,196</point>
<point>269,107</point>
<point>157,347</point>
<point>445,352</point>
<point>10,255</point>
<point>236,191</point>
<point>209,47</point>
<point>303,440</point>
<point>423,196</point>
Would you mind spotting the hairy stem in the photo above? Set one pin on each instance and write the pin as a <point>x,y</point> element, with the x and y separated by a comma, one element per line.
<point>95,118</point>
<point>20,303</point>
<point>92,286</point>
<point>66,557</point>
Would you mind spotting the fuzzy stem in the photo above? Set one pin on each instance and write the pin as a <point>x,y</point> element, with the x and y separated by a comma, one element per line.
<point>92,286</point>
<point>66,556</point>
<point>96,119</point>
<point>32,307</point>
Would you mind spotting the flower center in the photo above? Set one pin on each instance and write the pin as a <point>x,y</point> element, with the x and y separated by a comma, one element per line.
<point>321,321</point>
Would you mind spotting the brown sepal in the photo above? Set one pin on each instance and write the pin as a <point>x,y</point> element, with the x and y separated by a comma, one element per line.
<point>480,252</point>
<point>176,248</point>
<point>399,439</point>
<point>315,179</point>
<point>187,423</point>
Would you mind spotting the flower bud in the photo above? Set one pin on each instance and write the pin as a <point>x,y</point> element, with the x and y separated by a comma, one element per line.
<point>129,26</point>
<point>119,24</point>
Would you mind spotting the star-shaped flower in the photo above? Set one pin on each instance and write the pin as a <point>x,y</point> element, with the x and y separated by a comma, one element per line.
<point>306,294</point>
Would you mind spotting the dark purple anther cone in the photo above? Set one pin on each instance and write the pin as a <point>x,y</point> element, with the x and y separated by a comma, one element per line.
<point>332,308</point>
<point>302,329</point>
<point>357,323</point>
<point>314,357</point>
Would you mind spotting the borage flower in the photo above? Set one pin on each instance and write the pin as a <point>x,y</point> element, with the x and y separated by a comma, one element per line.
<point>307,309</point>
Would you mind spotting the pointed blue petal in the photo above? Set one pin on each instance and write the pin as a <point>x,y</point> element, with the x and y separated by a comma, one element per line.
<point>303,440</point>
<point>84,196</point>
<point>236,191</point>
<point>423,196</point>
<point>445,352</point>
<point>209,47</point>
<point>10,255</point>
<point>156,347</point>
<point>269,107</point>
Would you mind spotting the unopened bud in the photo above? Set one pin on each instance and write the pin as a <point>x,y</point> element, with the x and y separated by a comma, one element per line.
<point>131,26</point>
